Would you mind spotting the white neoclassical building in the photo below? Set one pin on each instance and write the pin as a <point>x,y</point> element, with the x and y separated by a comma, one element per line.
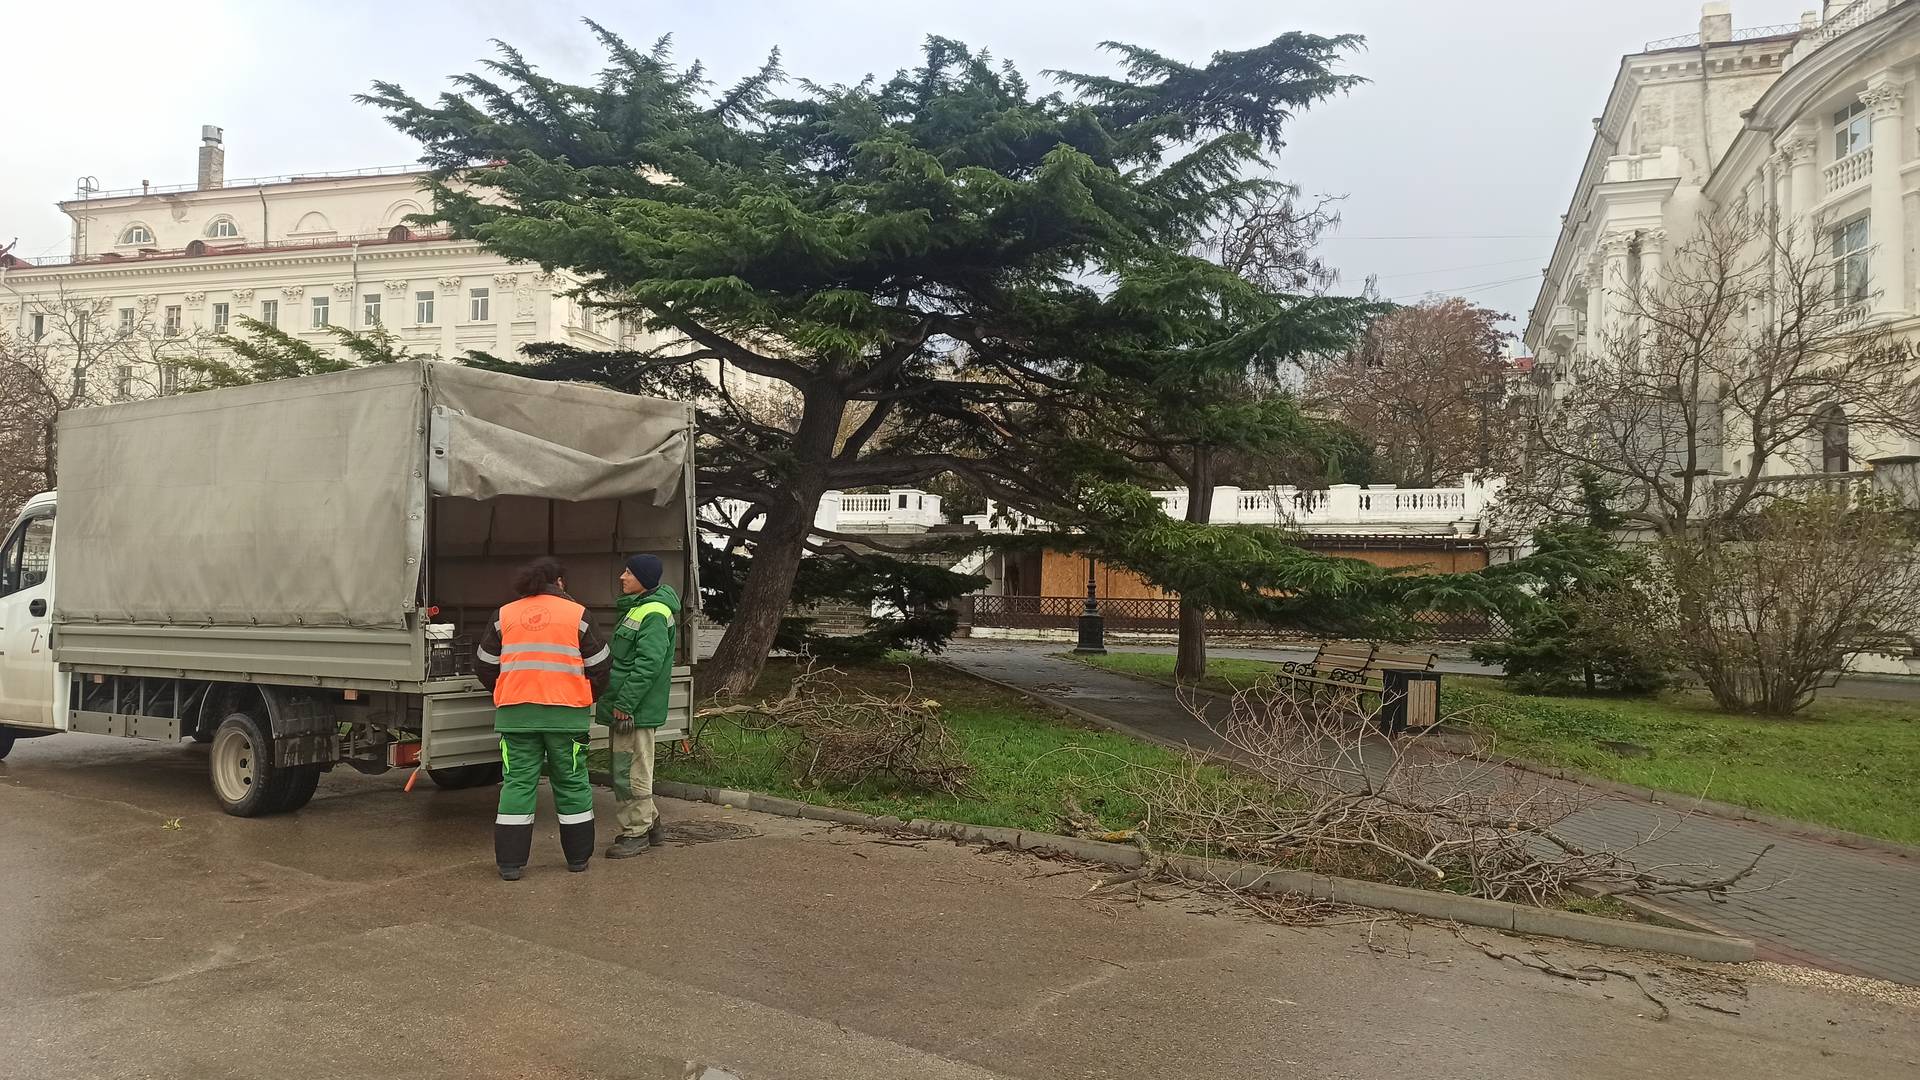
<point>1813,121</point>
<point>179,265</point>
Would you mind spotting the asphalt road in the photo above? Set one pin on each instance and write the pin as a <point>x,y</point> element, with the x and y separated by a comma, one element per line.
<point>147,935</point>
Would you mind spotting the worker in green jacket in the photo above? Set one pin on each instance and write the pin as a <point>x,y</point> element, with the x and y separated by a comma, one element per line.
<point>635,704</point>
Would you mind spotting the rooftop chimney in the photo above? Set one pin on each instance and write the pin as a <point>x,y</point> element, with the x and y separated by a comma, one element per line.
<point>1716,22</point>
<point>213,158</point>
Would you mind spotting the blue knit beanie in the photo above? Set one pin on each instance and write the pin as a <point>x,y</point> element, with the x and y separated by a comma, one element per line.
<point>646,569</point>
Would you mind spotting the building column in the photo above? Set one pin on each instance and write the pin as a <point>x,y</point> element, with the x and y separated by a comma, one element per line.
<point>1651,243</point>
<point>1885,98</point>
<point>1614,285</point>
<point>1802,193</point>
<point>1596,293</point>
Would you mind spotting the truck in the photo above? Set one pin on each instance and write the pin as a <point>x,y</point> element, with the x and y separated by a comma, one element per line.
<point>297,572</point>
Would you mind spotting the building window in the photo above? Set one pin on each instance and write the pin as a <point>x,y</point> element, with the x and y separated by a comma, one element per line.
<point>586,318</point>
<point>38,326</point>
<point>137,234</point>
<point>370,309</point>
<point>79,382</point>
<point>169,379</point>
<point>173,320</point>
<point>220,317</point>
<point>123,385</point>
<point>1834,451</point>
<point>1852,131</point>
<point>1850,261</point>
<point>478,305</point>
<point>270,312</point>
<point>320,305</point>
<point>423,308</point>
<point>126,320</point>
<point>223,229</point>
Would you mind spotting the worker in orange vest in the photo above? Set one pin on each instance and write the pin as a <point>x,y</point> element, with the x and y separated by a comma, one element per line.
<point>545,666</point>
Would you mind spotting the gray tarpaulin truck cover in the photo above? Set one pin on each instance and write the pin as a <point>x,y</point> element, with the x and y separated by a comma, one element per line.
<point>303,502</point>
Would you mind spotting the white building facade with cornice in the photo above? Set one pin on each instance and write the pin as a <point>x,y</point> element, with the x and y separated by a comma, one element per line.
<point>1813,121</point>
<point>182,265</point>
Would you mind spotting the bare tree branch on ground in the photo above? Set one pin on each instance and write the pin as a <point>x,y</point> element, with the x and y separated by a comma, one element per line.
<point>1314,786</point>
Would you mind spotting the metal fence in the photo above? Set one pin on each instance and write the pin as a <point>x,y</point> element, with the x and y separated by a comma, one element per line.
<point>1150,615</point>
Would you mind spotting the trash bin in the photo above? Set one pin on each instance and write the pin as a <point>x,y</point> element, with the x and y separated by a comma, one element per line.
<point>1409,699</point>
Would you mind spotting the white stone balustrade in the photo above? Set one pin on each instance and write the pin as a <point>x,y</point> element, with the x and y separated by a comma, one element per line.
<point>1342,508</point>
<point>1658,165</point>
<point>1850,170</point>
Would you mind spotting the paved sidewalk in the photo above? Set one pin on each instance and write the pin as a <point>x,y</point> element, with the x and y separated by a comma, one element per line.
<point>1453,661</point>
<point>1838,908</point>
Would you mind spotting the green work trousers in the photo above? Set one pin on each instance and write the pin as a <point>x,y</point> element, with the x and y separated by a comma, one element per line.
<point>562,757</point>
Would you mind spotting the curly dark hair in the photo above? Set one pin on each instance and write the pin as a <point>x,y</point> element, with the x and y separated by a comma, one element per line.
<point>538,576</point>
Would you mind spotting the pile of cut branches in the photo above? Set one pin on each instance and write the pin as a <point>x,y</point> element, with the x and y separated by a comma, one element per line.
<point>1318,787</point>
<point>841,734</point>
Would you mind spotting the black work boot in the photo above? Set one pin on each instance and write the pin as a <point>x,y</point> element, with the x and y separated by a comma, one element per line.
<point>512,844</point>
<point>627,847</point>
<point>576,842</point>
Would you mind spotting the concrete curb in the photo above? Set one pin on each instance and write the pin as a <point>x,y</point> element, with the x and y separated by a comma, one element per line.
<point>1463,745</point>
<point>1473,911</point>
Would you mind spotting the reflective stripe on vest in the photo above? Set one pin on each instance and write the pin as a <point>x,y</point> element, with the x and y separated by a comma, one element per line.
<point>652,607</point>
<point>540,661</point>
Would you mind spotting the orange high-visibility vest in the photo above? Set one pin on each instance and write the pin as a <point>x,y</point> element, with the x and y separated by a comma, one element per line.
<point>540,661</point>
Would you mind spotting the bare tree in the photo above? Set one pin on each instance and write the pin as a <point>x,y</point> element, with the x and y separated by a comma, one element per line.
<point>1423,385</point>
<point>1769,609</point>
<point>1744,350</point>
<point>80,358</point>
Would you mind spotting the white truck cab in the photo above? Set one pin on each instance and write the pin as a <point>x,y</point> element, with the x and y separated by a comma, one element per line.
<point>29,679</point>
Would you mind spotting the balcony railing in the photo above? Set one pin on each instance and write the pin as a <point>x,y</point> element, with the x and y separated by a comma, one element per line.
<point>1848,171</point>
<point>1838,24</point>
<point>201,249</point>
<point>1687,41</point>
<point>256,181</point>
<point>1341,508</point>
<point>1847,18</point>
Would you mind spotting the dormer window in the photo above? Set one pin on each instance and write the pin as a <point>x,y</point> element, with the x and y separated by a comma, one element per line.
<point>138,235</point>
<point>222,228</point>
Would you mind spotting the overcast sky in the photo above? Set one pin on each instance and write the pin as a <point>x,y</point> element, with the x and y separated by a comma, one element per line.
<point>1455,161</point>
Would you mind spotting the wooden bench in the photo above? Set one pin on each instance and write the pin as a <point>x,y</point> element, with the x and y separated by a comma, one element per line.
<point>1360,667</point>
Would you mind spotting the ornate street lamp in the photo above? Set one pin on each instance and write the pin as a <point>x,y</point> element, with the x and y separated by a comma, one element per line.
<point>1093,629</point>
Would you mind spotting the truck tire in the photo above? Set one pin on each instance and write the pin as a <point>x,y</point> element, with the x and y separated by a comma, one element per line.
<point>301,783</point>
<point>465,776</point>
<point>6,743</point>
<point>241,763</point>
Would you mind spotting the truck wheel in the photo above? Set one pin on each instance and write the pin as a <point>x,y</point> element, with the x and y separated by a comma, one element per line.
<point>241,762</point>
<point>465,776</point>
<point>6,743</point>
<point>301,782</point>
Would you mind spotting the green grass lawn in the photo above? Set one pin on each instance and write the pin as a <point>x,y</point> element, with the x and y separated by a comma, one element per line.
<point>1027,759</point>
<point>1848,764</point>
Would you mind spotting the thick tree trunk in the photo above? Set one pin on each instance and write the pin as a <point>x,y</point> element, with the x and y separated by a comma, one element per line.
<point>777,549</point>
<point>1190,659</point>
